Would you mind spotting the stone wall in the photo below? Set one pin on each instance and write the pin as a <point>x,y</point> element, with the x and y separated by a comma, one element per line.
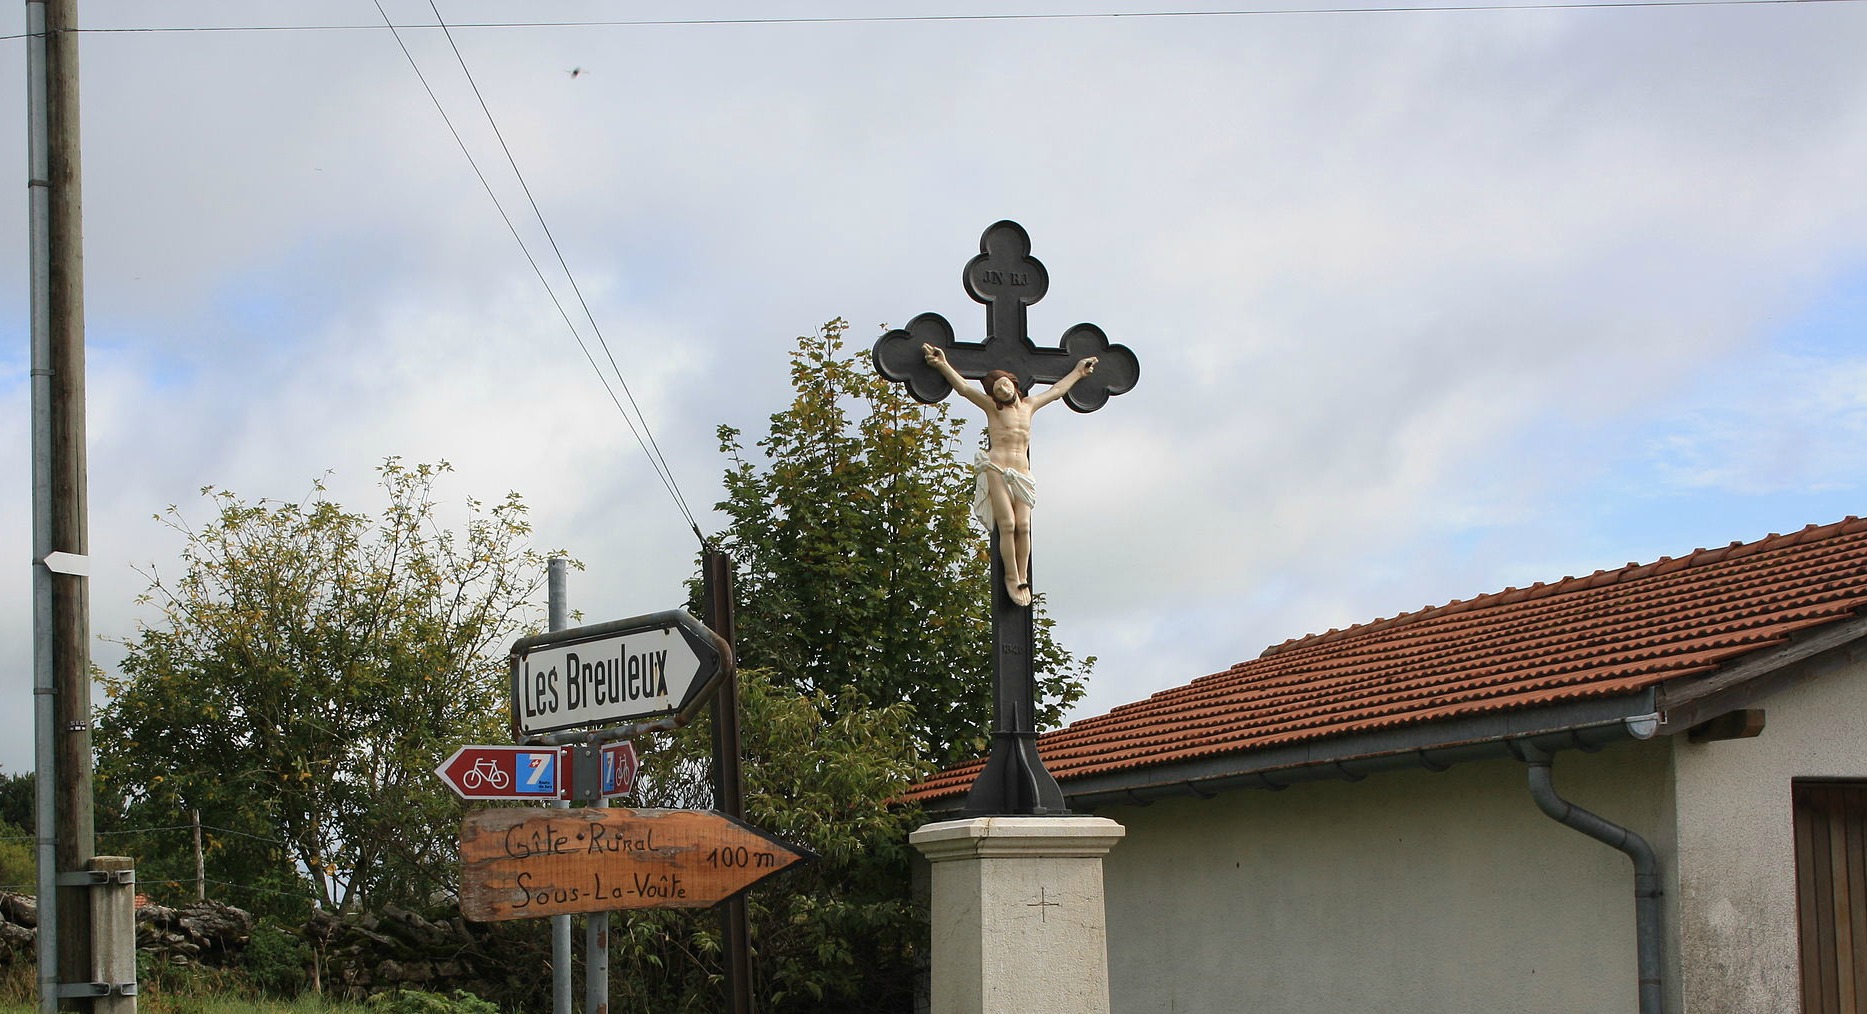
<point>353,955</point>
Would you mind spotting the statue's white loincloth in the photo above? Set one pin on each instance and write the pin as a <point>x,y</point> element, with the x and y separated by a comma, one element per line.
<point>1020,484</point>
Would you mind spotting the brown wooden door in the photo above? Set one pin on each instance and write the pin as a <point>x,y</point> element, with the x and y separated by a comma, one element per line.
<point>1831,894</point>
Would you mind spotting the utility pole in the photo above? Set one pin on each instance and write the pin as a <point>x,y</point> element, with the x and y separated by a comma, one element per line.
<point>61,599</point>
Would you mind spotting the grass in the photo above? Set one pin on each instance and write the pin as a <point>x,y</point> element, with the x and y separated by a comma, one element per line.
<point>173,1004</point>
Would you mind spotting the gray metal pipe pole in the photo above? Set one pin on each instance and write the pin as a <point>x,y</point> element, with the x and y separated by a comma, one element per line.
<point>39,199</point>
<point>557,612</point>
<point>596,961</point>
<point>1647,927</point>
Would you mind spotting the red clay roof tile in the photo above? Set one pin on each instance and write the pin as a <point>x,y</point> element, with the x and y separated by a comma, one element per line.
<point>1607,633</point>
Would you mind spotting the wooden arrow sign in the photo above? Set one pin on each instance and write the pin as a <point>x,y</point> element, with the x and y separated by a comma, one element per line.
<point>524,863</point>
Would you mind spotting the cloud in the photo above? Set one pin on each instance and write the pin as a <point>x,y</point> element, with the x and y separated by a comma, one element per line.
<point>1426,304</point>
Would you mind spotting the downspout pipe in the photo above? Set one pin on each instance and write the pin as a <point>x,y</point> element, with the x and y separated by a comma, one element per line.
<point>1647,926</point>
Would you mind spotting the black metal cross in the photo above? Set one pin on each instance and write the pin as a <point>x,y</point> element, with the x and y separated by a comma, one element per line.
<point>1007,279</point>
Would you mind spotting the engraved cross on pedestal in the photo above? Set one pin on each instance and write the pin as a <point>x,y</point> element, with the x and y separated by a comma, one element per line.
<point>1007,279</point>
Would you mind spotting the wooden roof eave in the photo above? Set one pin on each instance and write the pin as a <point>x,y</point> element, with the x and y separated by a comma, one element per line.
<point>1808,655</point>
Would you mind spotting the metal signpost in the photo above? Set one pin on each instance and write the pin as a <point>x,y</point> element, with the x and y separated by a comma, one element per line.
<point>579,697</point>
<point>1007,279</point>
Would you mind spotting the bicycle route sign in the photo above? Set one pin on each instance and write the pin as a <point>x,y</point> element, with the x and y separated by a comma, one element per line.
<point>622,671</point>
<point>526,863</point>
<point>532,772</point>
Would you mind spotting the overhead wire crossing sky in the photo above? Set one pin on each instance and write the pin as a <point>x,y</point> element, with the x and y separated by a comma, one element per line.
<point>638,424</point>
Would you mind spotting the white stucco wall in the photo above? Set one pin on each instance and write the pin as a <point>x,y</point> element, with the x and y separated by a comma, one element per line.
<point>1737,943</point>
<point>1414,891</point>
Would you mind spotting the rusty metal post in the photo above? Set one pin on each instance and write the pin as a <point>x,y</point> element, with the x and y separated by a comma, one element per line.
<point>729,784</point>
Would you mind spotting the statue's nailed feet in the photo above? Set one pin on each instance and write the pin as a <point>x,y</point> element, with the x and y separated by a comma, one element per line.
<point>1020,591</point>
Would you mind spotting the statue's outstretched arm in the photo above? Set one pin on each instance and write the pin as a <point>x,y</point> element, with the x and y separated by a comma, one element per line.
<point>1084,367</point>
<point>971,392</point>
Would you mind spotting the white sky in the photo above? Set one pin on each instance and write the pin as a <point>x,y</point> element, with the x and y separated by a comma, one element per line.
<point>1428,304</point>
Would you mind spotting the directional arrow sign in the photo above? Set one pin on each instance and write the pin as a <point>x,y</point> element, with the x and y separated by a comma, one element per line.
<point>619,764</point>
<point>623,671</point>
<point>523,863</point>
<point>504,772</point>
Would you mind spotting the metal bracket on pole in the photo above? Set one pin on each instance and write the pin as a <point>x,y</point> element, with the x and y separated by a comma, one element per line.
<point>586,772</point>
<point>93,990</point>
<point>96,878</point>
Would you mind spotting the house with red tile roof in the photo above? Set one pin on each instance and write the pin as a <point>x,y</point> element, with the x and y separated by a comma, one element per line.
<point>1640,790</point>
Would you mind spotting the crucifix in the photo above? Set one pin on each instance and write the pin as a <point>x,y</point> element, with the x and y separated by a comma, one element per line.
<point>1083,372</point>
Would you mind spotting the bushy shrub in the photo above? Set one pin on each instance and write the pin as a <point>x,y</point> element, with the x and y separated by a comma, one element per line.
<point>275,961</point>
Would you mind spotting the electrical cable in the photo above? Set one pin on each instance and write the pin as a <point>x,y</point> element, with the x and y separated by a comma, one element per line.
<point>666,480</point>
<point>948,18</point>
<point>655,456</point>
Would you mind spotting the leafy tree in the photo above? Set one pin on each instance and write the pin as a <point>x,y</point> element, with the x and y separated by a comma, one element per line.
<point>308,669</point>
<point>18,804</point>
<point>19,824</point>
<point>840,934</point>
<point>862,577</point>
<point>19,861</point>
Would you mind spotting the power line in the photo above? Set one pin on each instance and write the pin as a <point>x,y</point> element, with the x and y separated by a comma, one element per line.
<point>656,457</point>
<point>666,479</point>
<point>961,18</point>
<point>941,18</point>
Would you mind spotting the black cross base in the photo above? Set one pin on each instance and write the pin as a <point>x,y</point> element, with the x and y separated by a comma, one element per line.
<point>1014,781</point>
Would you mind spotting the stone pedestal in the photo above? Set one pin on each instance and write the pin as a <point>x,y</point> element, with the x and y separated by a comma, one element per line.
<point>1018,920</point>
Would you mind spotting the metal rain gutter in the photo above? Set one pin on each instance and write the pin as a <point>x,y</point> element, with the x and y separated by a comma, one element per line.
<point>1586,725</point>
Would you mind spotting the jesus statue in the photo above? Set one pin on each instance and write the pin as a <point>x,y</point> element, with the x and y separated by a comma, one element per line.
<point>1005,491</point>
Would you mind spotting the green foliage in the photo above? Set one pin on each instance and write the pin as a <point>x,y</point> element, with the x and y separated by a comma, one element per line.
<point>18,806</point>
<point>275,960</point>
<point>414,1001</point>
<point>184,989</point>
<point>834,935</point>
<point>861,575</point>
<point>19,865</point>
<point>309,668</point>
